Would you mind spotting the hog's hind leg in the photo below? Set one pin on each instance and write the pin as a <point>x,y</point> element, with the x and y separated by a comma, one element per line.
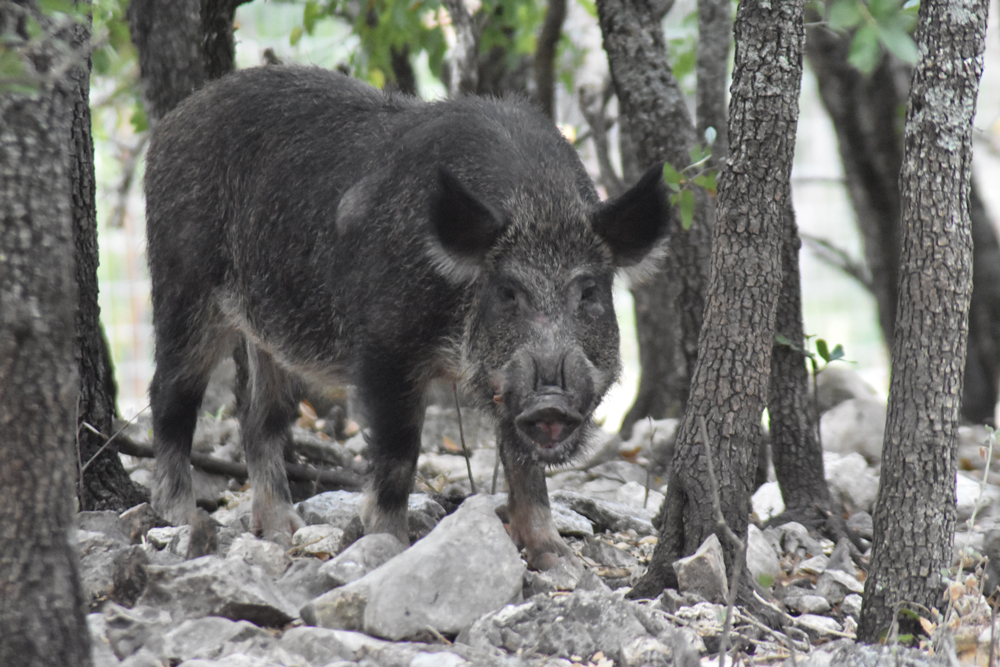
<point>189,343</point>
<point>270,406</point>
<point>394,406</point>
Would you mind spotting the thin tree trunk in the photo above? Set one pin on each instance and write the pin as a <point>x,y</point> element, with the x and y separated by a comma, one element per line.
<point>182,45</point>
<point>655,118</point>
<point>105,485</point>
<point>545,57</point>
<point>795,446</point>
<point>42,619</point>
<point>865,115</point>
<point>729,388</point>
<point>715,32</point>
<point>915,515</point>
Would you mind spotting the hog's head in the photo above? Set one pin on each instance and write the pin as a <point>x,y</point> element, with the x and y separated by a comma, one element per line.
<point>541,345</point>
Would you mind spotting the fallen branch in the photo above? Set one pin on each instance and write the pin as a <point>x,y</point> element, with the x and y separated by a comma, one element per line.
<point>347,480</point>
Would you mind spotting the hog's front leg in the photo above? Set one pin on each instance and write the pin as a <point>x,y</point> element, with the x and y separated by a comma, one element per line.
<point>531,525</point>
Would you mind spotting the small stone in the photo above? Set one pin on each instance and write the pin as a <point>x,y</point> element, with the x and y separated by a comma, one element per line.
<point>704,572</point>
<point>815,565</point>
<point>212,586</point>
<point>818,626</point>
<point>570,523</point>
<point>851,606</point>
<point>840,558</point>
<point>834,585</point>
<point>130,576</point>
<point>266,555</point>
<point>466,567</point>
<point>320,540</point>
<point>862,524</point>
<point>161,537</point>
<point>606,554</point>
<point>136,522</point>
<point>762,561</point>
<point>368,553</point>
<point>808,604</point>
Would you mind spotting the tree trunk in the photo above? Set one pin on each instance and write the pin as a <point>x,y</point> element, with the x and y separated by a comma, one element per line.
<point>729,388</point>
<point>915,514</point>
<point>655,118</point>
<point>795,446</point>
<point>865,115</point>
<point>182,45</point>
<point>104,484</point>
<point>42,619</point>
<point>545,57</point>
<point>715,31</point>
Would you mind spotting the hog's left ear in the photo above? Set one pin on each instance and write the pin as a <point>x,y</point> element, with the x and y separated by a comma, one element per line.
<point>464,227</point>
<point>634,223</point>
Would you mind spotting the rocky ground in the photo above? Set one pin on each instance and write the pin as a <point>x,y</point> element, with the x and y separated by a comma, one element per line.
<point>461,594</point>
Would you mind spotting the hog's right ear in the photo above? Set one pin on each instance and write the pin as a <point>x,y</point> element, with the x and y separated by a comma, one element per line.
<point>635,223</point>
<point>464,227</point>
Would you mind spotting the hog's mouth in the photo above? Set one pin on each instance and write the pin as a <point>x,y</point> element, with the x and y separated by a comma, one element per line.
<point>551,423</point>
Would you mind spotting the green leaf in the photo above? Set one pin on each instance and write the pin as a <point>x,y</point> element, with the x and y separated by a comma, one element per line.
<point>310,15</point>
<point>710,135</point>
<point>837,352</point>
<point>765,580</point>
<point>782,340</point>
<point>844,14</point>
<point>685,205</point>
<point>12,66</point>
<point>822,350</point>
<point>671,177</point>
<point>882,10</point>
<point>865,50</point>
<point>295,35</point>
<point>139,121</point>
<point>697,154</point>
<point>898,42</point>
<point>707,181</point>
<point>61,6</point>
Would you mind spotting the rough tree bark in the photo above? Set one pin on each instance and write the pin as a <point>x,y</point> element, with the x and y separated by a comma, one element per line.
<point>42,619</point>
<point>654,117</point>
<point>182,45</point>
<point>865,111</point>
<point>795,447</point>
<point>545,57</point>
<point>104,484</point>
<point>915,515</point>
<point>715,31</point>
<point>729,387</point>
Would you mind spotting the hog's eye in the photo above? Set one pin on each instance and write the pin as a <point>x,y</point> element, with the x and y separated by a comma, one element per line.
<point>588,293</point>
<point>507,294</point>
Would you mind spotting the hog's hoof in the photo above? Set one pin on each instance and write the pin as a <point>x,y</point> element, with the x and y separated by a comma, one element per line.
<point>545,557</point>
<point>277,524</point>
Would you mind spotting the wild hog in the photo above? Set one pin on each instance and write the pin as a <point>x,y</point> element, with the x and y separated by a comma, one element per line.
<point>350,235</point>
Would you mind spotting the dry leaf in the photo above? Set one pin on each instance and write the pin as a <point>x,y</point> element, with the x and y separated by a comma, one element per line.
<point>450,445</point>
<point>928,627</point>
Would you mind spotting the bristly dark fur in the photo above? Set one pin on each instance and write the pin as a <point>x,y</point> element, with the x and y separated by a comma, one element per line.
<point>351,235</point>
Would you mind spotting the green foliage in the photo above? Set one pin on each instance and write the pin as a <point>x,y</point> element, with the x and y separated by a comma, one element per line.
<point>115,68</point>
<point>823,351</point>
<point>697,173</point>
<point>877,24</point>
<point>682,44</point>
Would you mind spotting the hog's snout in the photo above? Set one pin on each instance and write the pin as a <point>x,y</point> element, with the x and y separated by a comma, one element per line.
<point>548,418</point>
